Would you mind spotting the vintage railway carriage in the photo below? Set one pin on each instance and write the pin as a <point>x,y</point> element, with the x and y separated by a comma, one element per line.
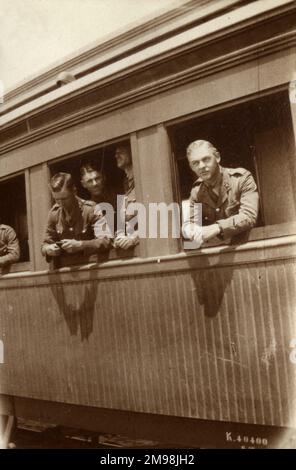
<point>195,347</point>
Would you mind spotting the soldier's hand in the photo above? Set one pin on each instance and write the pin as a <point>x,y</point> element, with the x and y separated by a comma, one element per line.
<point>53,250</point>
<point>210,231</point>
<point>71,246</point>
<point>124,242</point>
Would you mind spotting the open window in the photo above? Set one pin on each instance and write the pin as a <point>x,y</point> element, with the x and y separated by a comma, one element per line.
<point>256,135</point>
<point>13,212</point>
<point>103,159</point>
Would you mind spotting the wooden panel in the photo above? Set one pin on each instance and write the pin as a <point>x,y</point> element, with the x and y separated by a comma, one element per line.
<point>276,69</point>
<point>29,203</point>
<point>282,247</point>
<point>275,152</point>
<point>39,203</point>
<point>210,343</point>
<point>153,176</point>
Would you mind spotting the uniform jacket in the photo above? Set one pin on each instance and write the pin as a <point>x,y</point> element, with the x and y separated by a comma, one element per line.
<point>81,227</point>
<point>9,245</point>
<point>236,209</point>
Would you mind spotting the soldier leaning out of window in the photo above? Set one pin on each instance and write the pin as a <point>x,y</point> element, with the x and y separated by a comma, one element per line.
<point>9,246</point>
<point>70,224</point>
<point>228,196</point>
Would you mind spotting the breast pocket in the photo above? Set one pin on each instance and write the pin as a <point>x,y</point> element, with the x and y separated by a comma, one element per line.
<point>209,214</point>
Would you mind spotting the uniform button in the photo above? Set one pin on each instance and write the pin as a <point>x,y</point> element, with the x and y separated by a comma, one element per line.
<point>206,218</point>
<point>71,229</point>
<point>217,210</point>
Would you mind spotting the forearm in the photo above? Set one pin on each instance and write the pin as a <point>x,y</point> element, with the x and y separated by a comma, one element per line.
<point>10,252</point>
<point>236,224</point>
<point>95,245</point>
<point>10,258</point>
<point>192,220</point>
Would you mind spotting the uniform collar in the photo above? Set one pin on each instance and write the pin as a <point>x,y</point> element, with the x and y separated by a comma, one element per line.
<point>218,178</point>
<point>80,201</point>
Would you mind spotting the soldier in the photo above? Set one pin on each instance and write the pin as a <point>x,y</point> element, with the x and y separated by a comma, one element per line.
<point>9,246</point>
<point>124,162</point>
<point>94,181</point>
<point>70,225</point>
<point>229,196</point>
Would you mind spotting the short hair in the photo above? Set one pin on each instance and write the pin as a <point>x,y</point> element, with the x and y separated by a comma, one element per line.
<point>200,143</point>
<point>88,168</point>
<point>61,181</point>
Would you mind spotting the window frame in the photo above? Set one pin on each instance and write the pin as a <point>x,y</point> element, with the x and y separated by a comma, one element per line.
<point>79,259</point>
<point>256,233</point>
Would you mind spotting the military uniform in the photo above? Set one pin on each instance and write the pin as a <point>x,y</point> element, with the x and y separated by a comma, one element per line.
<point>9,245</point>
<point>108,197</point>
<point>79,227</point>
<point>233,204</point>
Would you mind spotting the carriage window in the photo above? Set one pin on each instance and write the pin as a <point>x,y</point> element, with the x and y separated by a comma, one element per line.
<point>116,182</point>
<point>13,211</point>
<point>258,136</point>
<point>103,159</point>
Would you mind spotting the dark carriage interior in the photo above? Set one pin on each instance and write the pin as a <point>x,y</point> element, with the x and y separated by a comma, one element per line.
<point>102,158</point>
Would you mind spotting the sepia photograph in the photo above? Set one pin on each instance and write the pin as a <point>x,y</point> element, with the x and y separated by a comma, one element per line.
<point>147,227</point>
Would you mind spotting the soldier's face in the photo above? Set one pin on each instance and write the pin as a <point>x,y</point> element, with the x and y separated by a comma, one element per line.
<point>204,163</point>
<point>123,158</point>
<point>93,181</point>
<point>65,199</point>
